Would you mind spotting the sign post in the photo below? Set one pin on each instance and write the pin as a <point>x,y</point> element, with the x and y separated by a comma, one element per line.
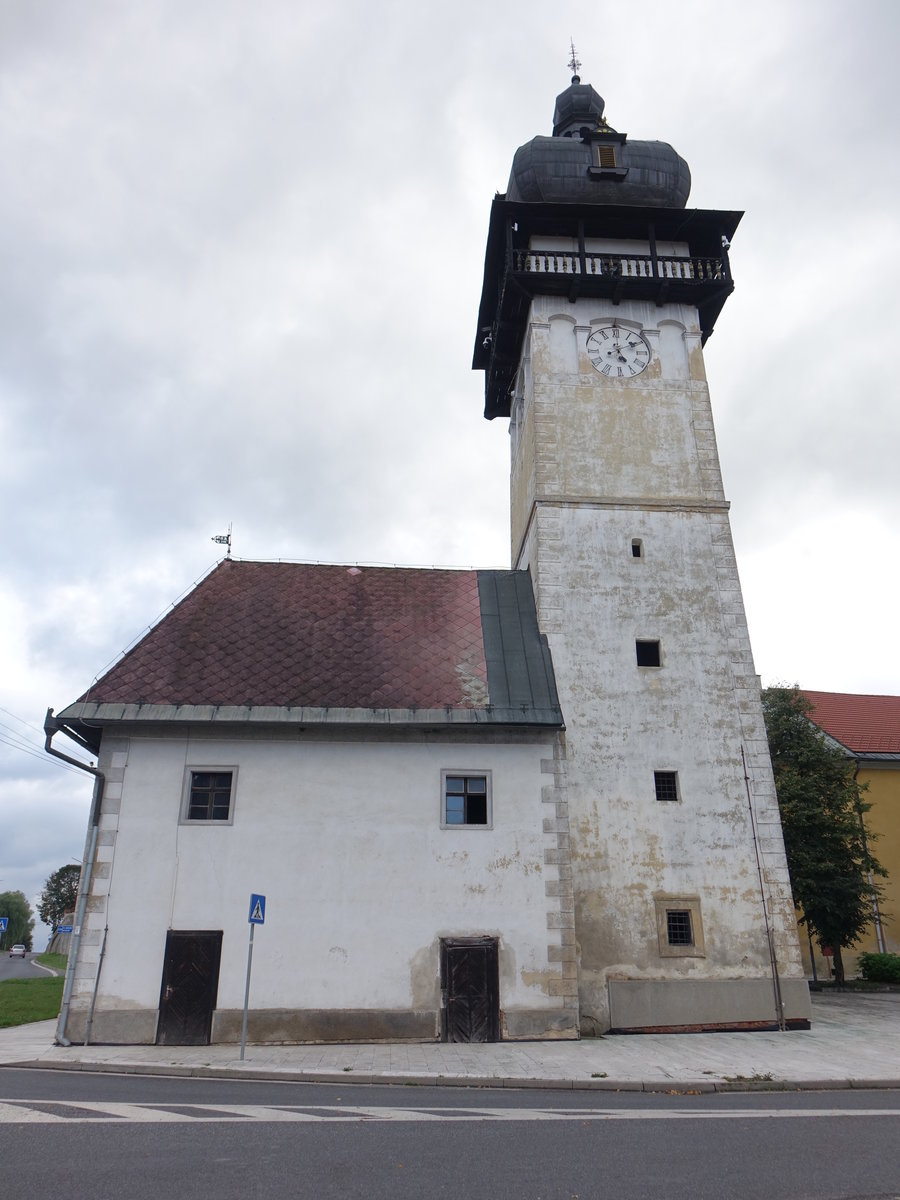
<point>257,917</point>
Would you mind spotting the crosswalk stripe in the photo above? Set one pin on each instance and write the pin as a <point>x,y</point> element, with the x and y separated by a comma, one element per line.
<point>20,1112</point>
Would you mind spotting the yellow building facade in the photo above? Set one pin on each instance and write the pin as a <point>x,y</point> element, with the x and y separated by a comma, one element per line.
<point>867,729</point>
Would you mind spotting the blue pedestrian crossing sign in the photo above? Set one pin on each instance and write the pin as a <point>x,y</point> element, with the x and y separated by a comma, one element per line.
<point>3,922</point>
<point>257,909</point>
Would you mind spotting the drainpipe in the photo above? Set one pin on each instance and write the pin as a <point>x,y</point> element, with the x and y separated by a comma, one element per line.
<point>770,937</point>
<point>52,726</point>
<point>90,1020</point>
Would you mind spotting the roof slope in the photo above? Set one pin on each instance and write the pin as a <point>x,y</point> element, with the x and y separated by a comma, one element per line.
<point>256,635</point>
<point>864,724</point>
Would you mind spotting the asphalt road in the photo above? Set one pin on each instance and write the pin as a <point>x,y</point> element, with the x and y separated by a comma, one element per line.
<point>75,1136</point>
<point>18,968</point>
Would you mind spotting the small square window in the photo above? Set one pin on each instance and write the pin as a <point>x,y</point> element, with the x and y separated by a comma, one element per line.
<point>678,927</point>
<point>606,155</point>
<point>466,800</point>
<point>666,783</point>
<point>647,653</point>
<point>209,795</point>
<point>637,548</point>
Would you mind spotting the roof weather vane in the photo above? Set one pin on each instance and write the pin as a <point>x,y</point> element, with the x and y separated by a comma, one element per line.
<point>574,64</point>
<point>224,539</point>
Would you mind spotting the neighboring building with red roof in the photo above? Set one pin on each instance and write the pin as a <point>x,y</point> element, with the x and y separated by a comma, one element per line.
<point>867,729</point>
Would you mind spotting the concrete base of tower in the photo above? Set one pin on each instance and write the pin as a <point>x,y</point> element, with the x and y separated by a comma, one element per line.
<point>692,1006</point>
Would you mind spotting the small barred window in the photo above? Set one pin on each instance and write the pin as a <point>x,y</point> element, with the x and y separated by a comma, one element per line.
<point>666,783</point>
<point>678,927</point>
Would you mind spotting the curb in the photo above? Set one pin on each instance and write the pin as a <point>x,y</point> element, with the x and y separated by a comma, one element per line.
<point>688,1087</point>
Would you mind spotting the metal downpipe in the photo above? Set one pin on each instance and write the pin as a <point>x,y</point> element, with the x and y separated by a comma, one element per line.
<point>51,727</point>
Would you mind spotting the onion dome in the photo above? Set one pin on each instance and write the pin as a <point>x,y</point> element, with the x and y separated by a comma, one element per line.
<point>586,161</point>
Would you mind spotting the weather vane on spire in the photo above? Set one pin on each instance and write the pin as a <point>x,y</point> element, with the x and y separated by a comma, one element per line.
<point>224,539</point>
<point>574,64</point>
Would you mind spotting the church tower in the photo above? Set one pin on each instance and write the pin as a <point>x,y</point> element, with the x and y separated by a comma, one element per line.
<point>600,291</point>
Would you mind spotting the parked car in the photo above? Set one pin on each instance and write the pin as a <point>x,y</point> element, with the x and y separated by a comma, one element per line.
<point>17,952</point>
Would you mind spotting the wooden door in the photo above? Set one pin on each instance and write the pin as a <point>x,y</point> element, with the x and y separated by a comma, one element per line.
<point>470,988</point>
<point>190,985</point>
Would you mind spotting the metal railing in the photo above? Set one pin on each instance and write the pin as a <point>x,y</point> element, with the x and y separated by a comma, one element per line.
<point>700,269</point>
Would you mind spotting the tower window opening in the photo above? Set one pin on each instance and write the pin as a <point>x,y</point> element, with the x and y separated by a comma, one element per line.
<point>666,783</point>
<point>637,548</point>
<point>606,155</point>
<point>678,927</point>
<point>647,653</point>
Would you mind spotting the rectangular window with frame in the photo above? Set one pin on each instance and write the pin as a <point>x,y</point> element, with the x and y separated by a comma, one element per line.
<point>666,784</point>
<point>679,927</point>
<point>209,795</point>
<point>606,155</point>
<point>466,800</point>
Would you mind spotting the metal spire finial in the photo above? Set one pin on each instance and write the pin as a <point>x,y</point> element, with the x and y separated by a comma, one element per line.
<point>574,64</point>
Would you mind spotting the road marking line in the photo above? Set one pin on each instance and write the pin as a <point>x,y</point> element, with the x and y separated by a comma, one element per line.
<point>30,1112</point>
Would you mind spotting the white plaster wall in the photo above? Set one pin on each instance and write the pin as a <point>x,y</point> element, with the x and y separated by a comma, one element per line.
<point>625,721</point>
<point>344,839</point>
<point>595,464</point>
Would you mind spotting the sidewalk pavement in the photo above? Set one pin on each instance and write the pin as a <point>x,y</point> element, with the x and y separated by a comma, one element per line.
<point>854,1043</point>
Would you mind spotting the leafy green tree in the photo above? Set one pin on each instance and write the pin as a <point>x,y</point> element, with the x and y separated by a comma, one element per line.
<point>58,896</point>
<point>16,908</point>
<point>833,872</point>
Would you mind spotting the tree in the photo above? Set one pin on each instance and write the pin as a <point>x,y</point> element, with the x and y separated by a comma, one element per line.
<point>58,896</point>
<point>15,907</point>
<point>833,872</point>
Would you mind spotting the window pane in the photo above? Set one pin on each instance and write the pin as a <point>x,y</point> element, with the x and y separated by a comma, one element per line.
<point>455,818</point>
<point>455,785</point>
<point>477,784</point>
<point>476,810</point>
<point>647,654</point>
<point>210,796</point>
<point>678,924</point>
<point>455,804</point>
<point>666,785</point>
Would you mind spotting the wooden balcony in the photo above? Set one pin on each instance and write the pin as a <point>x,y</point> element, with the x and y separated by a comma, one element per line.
<point>516,271</point>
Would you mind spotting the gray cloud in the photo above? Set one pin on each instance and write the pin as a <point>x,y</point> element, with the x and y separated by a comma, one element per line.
<point>242,259</point>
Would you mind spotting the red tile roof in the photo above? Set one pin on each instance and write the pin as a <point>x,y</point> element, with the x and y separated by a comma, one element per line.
<point>288,634</point>
<point>864,724</point>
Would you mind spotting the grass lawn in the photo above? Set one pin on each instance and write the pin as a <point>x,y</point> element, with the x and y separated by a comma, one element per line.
<point>55,961</point>
<point>24,1000</point>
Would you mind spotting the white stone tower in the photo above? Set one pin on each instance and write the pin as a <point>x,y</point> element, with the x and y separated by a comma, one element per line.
<point>600,290</point>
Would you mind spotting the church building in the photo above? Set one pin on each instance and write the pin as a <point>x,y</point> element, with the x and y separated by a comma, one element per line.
<point>480,805</point>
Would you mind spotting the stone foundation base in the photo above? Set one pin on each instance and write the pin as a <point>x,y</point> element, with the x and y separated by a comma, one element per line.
<point>694,1006</point>
<point>287,1026</point>
<point>115,1027</point>
<point>290,1025</point>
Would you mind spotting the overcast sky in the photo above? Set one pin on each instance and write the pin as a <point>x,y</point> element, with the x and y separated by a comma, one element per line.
<point>241,248</point>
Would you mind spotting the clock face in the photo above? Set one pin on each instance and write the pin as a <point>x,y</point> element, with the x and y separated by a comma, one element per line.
<point>616,352</point>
